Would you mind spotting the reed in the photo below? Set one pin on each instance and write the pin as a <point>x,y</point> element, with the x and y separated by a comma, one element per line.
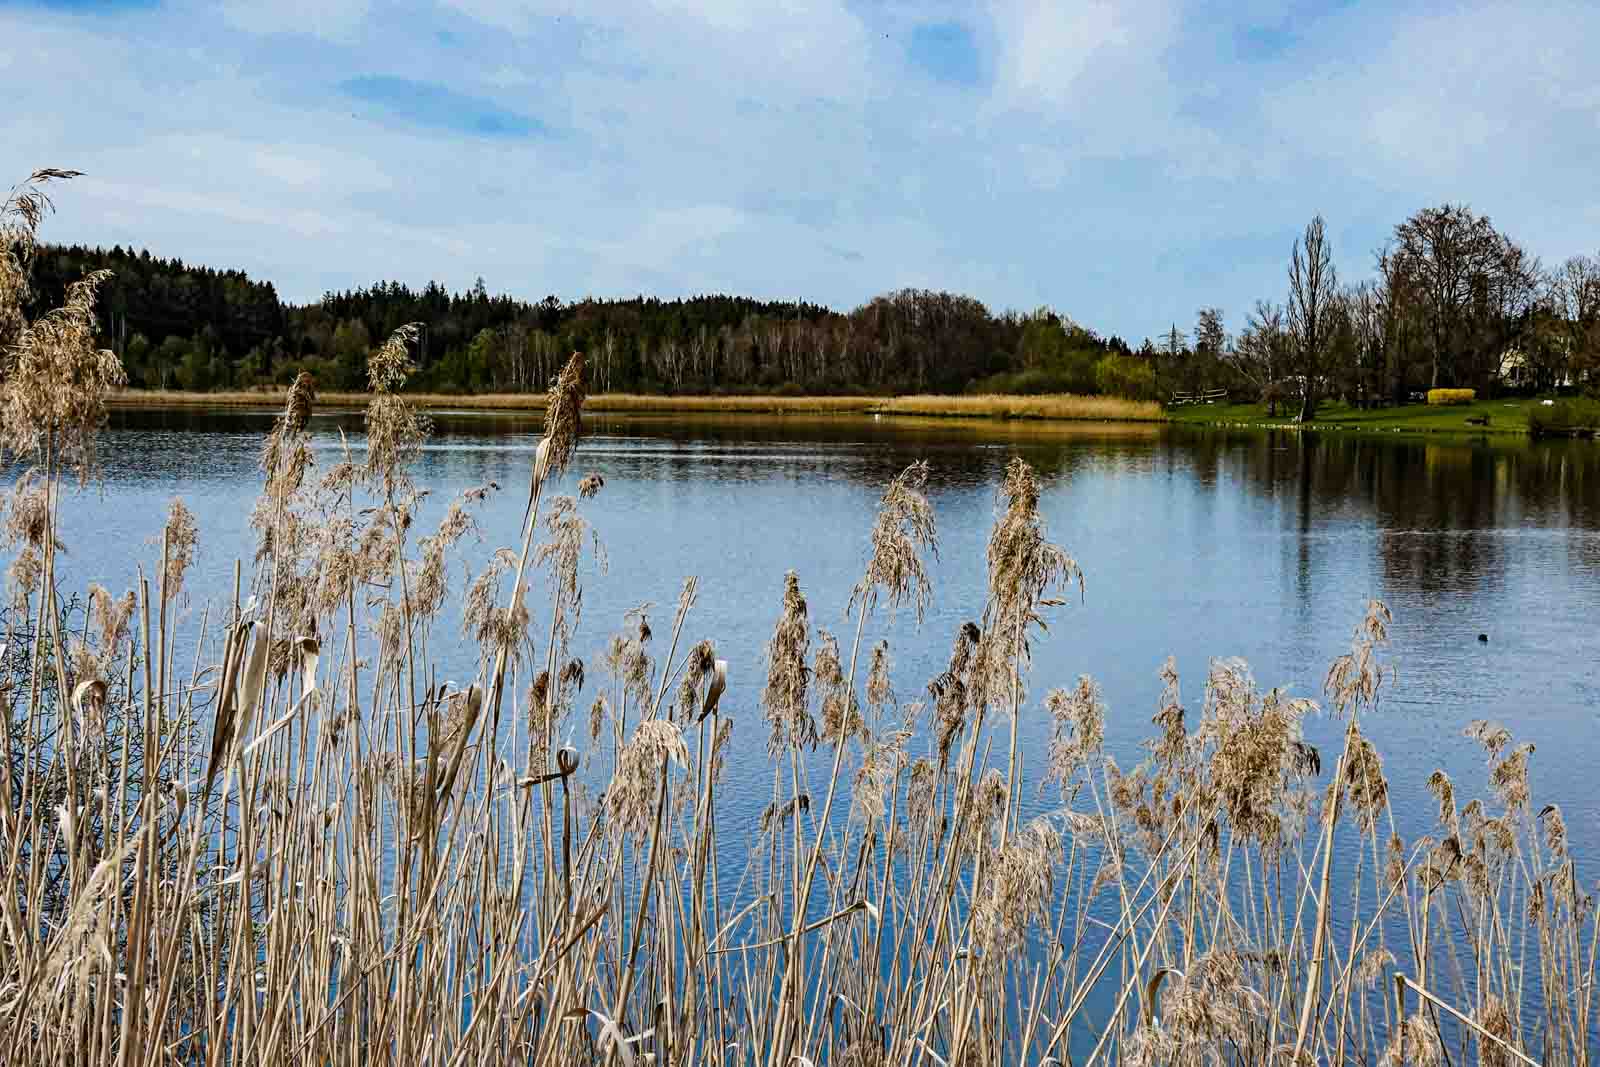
<point>1048,407</point>
<point>305,847</point>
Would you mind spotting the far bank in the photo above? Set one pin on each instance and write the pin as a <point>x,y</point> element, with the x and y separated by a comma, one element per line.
<point>1059,407</point>
<point>1517,416</point>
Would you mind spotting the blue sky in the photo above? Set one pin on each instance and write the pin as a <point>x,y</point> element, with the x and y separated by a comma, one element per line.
<point>1125,163</point>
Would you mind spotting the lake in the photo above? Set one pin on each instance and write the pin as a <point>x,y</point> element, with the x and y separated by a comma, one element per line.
<point>1194,544</point>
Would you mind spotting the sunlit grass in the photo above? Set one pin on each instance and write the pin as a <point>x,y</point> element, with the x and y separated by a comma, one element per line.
<point>1061,407</point>
<point>1050,406</point>
<point>1509,416</point>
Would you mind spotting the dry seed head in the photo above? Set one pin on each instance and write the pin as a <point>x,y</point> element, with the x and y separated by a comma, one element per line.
<point>921,785</point>
<point>880,689</point>
<point>568,532</point>
<point>627,663</point>
<point>1210,1002</point>
<point>56,381</point>
<point>1555,830</point>
<point>864,1053</point>
<point>590,485</point>
<point>1509,778</point>
<point>395,429</point>
<point>181,533</point>
<point>1170,717</point>
<point>23,576</point>
<point>28,511</point>
<point>979,808</point>
<point>1355,679</point>
<point>1365,783</point>
<point>563,420</point>
<point>1024,568</point>
<point>1151,1046</point>
<point>1256,750</point>
<point>389,364</point>
<point>699,670</point>
<point>719,748</point>
<point>874,779</point>
<point>110,617</point>
<point>1077,729</point>
<point>903,529</point>
<point>290,426</point>
<point>1491,735</point>
<point>1018,890</point>
<point>1443,789</point>
<point>784,699</point>
<point>1373,965</point>
<point>1422,1042</point>
<point>481,618</point>
<point>841,713</point>
<point>631,797</point>
<point>1495,1020</point>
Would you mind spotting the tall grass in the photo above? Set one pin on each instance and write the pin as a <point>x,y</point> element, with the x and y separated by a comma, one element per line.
<point>297,844</point>
<point>1057,406</point>
<point>620,402</point>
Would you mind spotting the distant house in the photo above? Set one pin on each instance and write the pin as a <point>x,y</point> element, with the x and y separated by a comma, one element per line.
<point>1516,371</point>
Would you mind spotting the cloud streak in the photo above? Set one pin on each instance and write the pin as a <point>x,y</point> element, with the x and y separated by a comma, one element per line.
<point>436,107</point>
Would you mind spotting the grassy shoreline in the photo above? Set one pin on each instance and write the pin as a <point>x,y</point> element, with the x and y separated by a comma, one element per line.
<point>1504,417</point>
<point>1050,407</point>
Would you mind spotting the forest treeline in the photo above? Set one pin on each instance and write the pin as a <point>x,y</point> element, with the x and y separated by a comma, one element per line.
<point>180,326</point>
<point>1451,301</point>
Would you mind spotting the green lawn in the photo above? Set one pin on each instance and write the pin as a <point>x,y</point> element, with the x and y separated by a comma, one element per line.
<point>1505,416</point>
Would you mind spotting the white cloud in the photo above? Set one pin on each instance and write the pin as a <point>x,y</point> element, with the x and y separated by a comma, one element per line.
<point>1495,105</point>
<point>1116,160</point>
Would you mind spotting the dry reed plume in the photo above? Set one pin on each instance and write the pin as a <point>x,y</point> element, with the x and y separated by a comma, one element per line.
<point>308,847</point>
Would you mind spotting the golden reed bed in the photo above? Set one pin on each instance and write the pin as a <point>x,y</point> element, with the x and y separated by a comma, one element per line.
<point>1054,406</point>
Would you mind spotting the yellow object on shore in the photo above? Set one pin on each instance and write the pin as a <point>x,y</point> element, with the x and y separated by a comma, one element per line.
<point>1452,396</point>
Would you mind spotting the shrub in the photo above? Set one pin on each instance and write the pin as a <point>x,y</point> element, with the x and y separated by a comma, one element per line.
<point>1565,417</point>
<point>1442,397</point>
<point>1026,383</point>
<point>1125,376</point>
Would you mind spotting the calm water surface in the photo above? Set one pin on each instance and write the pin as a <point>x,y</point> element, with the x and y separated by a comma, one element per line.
<point>1195,545</point>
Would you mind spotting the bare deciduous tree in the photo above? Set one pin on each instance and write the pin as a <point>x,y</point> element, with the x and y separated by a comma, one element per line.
<point>1261,352</point>
<point>1444,249</point>
<point>1313,289</point>
<point>1572,292</point>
